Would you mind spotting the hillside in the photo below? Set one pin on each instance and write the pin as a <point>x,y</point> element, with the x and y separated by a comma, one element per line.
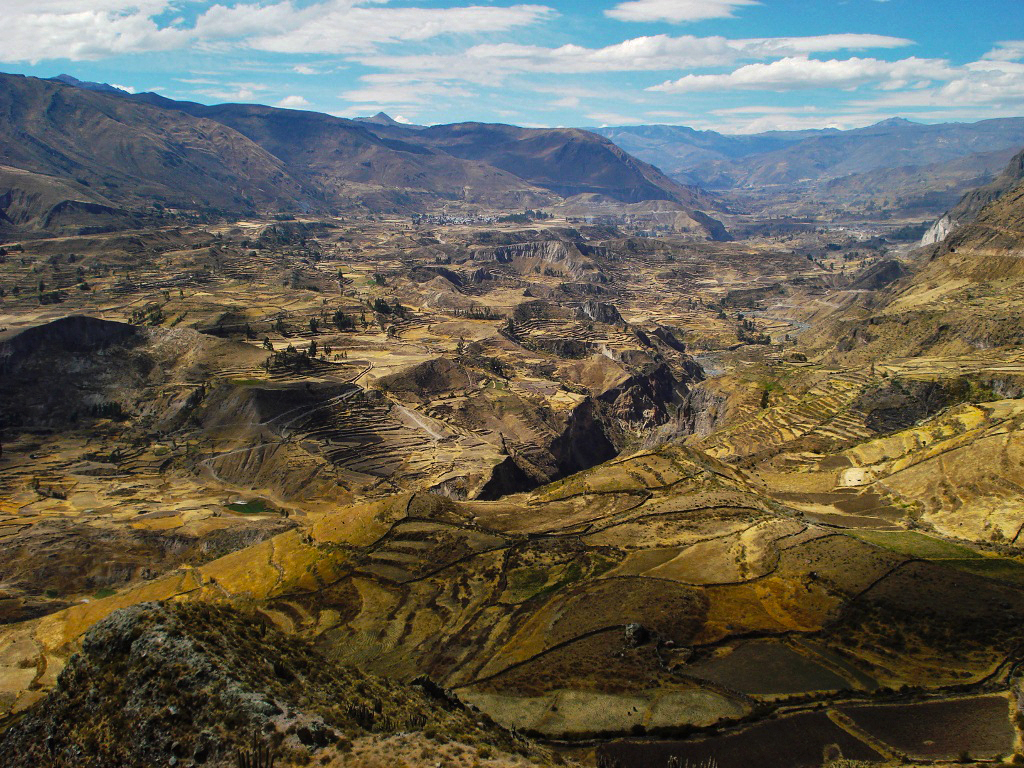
<point>964,293</point>
<point>349,163</point>
<point>584,479</point>
<point>567,161</point>
<point>34,201</point>
<point>132,154</point>
<point>970,205</point>
<point>212,686</point>
<point>471,159</point>
<point>780,157</point>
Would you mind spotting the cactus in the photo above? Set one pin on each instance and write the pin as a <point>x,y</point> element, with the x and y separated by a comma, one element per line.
<point>261,756</point>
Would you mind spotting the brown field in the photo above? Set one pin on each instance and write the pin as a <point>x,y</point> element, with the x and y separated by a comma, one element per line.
<point>800,741</point>
<point>941,730</point>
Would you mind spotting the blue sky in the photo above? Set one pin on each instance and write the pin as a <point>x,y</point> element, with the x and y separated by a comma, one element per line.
<point>737,66</point>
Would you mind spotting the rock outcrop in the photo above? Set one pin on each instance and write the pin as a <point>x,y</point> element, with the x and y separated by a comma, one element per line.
<point>195,684</point>
<point>970,205</point>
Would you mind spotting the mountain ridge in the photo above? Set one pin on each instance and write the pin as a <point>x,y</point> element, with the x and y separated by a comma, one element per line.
<point>141,150</point>
<point>804,172</point>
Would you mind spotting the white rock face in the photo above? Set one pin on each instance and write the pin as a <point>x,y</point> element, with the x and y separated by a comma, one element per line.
<point>939,230</point>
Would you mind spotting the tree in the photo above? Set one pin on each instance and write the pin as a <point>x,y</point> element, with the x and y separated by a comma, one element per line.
<point>314,325</point>
<point>342,321</point>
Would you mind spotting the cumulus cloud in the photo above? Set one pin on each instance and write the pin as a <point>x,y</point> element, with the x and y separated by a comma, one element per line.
<point>1007,50</point>
<point>293,102</point>
<point>973,87</point>
<point>797,72</point>
<point>675,11</point>
<point>34,35</point>
<point>567,102</point>
<point>221,91</point>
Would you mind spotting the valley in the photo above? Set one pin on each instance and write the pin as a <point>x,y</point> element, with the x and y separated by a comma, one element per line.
<point>610,490</point>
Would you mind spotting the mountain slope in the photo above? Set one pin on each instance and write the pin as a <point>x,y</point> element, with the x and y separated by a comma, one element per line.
<point>567,161</point>
<point>678,149</point>
<point>783,157</point>
<point>895,168</point>
<point>133,150</point>
<point>970,205</point>
<point>203,684</point>
<point>35,202</point>
<point>889,144</point>
<point>464,159</point>
<point>963,299</point>
<point>134,154</point>
<point>347,159</point>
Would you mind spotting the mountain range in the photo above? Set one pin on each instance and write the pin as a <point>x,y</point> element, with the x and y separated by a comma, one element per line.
<point>896,165</point>
<point>72,153</point>
<point>77,155</point>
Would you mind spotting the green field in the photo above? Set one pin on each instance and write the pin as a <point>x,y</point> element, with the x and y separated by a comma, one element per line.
<point>915,544</point>
<point>254,507</point>
<point>955,555</point>
<point>1000,569</point>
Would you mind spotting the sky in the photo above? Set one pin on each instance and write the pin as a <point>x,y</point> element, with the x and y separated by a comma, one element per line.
<point>735,66</point>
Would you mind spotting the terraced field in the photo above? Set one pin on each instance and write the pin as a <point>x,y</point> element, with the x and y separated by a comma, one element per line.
<point>503,470</point>
<point>604,620</point>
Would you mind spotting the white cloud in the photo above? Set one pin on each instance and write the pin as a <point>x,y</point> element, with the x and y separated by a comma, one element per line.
<point>61,29</point>
<point>992,85</point>
<point>755,109</point>
<point>400,91</point>
<point>227,92</point>
<point>302,69</point>
<point>490,63</point>
<point>125,88</point>
<point>1008,50</point>
<point>31,35</point>
<point>612,118</point>
<point>347,26</point>
<point>795,73</point>
<point>293,102</point>
<point>676,11</point>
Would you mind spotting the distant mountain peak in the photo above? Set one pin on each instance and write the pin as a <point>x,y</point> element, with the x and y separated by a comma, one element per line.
<point>381,118</point>
<point>88,86</point>
<point>386,120</point>
<point>894,122</point>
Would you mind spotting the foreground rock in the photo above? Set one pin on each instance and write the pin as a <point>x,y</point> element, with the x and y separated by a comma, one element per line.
<point>196,684</point>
